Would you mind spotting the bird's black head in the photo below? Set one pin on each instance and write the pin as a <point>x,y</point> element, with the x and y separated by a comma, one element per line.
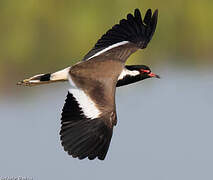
<point>135,73</point>
<point>144,71</point>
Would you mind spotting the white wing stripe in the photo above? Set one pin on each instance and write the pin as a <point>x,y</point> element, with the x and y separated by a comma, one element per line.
<point>85,103</point>
<point>108,48</point>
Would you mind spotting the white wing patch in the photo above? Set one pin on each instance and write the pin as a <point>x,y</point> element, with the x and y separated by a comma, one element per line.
<point>85,103</point>
<point>128,72</point>
<point>108,48</point>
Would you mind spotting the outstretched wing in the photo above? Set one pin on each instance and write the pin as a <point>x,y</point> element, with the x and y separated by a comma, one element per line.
<point>83,135</point>
<point>89,113</point>
<point>125,38</point>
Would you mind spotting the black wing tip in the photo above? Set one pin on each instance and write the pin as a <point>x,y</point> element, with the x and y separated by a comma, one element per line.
<point>137,11</point>
<point>155,12</point>
<point>149,11</point>
<point>92,144</point>
<point>155,15</point>
<point>150,22</point>
<point>133,29</point>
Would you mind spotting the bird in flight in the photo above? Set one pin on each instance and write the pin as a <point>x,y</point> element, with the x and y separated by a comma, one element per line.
<point>89,112</point>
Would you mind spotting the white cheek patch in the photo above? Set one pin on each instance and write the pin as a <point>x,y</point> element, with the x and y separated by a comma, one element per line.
<point>85,103</point>
<point>108,48</point>
<point>126,72</point>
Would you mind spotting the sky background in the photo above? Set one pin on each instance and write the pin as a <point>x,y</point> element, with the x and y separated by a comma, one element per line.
<point>164,128</point>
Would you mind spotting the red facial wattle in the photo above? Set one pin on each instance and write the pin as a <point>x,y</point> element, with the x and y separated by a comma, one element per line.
<point>149,73</point>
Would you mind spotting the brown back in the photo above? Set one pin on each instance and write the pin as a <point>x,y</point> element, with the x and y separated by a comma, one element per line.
<point>98,78</point>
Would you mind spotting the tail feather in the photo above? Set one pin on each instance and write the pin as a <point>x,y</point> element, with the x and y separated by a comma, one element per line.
<point>36,80</point>
<point>46,78</point>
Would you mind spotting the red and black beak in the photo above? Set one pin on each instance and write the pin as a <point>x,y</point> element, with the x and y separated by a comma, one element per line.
<point>150,74</point>
<point>153,75</point>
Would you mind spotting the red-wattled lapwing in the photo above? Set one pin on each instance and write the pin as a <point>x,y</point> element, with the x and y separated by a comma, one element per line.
<point>89,113</point>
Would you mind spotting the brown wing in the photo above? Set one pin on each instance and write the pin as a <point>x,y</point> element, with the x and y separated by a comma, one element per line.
<point>89,112</point>
<point>125,38</point>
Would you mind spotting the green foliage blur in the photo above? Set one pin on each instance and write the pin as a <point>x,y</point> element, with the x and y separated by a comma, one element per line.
<point>38,36</point>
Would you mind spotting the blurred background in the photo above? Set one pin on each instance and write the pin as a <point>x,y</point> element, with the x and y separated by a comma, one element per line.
<point>164,126</point>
